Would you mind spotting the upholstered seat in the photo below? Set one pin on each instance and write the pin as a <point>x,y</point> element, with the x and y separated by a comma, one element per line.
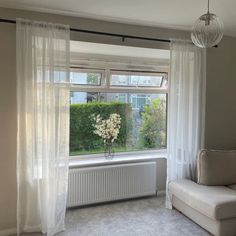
<point>211,202</point>
<point>216,202</point>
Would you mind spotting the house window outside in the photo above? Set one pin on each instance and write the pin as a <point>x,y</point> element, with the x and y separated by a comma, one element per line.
<point>138,101</point>
<point>122,97</point>
<point>143,110</point>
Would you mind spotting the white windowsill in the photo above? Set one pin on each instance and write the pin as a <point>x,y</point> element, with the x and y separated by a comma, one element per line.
<point>118,159</point>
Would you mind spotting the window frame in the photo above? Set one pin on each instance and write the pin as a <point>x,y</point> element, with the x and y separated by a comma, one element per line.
<point>105,87</point>
<point>88,70</point>
<point>140,73</point>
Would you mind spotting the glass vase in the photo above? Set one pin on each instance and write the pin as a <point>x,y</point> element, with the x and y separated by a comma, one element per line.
<point>109,151</point>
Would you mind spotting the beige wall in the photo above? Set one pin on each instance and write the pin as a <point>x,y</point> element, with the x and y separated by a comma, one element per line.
<point>7,127</point>
<point>220,113</point>
<point>161,174</point>
<point>221,96</point>
<point>82,23</point>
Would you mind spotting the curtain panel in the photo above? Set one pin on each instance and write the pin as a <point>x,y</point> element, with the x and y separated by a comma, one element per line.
<point>43,56</point>
<point>186,117</point>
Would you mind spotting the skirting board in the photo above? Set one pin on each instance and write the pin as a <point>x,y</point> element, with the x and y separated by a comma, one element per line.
<point>7,232</point>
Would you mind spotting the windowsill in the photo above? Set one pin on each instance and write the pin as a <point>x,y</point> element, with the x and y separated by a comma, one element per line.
<point>99,160</point>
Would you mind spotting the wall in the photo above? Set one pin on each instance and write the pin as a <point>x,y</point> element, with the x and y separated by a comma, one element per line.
<point>220,109</point>
<point>221,96</point>
<point>7,127</point>
<point>118,28</point>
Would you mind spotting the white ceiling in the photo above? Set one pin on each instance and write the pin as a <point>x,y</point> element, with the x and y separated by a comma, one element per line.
<point>177,14</point>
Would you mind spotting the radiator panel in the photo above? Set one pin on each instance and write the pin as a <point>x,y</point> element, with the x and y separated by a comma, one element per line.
<point>113,182</point>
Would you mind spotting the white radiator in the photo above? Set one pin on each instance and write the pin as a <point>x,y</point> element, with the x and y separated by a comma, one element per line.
<point>112,182</point>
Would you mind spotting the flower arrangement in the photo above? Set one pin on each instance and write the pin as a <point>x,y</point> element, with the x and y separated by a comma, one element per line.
<point>108,130</point>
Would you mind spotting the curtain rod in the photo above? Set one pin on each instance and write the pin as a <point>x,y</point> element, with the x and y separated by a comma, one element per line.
<point>122,36</point>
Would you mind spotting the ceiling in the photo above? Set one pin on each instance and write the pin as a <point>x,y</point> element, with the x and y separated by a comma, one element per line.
<point>176,14</point>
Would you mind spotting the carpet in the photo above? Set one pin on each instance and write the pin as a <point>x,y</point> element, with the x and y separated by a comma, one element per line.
<point>140,217</point>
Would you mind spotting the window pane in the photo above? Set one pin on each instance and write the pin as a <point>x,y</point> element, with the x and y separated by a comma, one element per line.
<point>143,121</point>
<point>138,80</point>
<point>85,78</point>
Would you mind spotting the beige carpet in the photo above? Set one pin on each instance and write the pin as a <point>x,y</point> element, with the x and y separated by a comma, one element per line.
<point>142,217</point>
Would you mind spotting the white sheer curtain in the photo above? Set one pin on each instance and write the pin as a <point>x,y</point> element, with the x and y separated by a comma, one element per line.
<point>43,125</point>
<point>186,116</point>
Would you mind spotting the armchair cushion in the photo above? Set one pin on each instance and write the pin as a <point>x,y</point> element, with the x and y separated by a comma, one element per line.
<point>216,167</point>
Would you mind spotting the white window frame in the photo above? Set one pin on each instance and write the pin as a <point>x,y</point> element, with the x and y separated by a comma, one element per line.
<point>89,70</point>
<point>140,73</point>
<point>105,87</point>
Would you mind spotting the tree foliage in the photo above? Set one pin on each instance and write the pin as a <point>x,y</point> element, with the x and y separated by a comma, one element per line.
<point>93,78</point>
<point>153,129</point>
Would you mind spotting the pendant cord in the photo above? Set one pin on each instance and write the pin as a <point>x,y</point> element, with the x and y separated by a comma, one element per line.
<point>208,6</point>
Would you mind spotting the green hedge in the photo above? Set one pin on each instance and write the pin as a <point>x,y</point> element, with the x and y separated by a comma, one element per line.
<point>81,129</point>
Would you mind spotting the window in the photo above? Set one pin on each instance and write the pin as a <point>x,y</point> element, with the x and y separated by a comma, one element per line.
<point>81,76</point>
<point>137,79</point>
<point>140,99</point>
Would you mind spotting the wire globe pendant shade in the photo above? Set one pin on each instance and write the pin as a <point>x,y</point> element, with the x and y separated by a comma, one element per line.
<point>207,31</point>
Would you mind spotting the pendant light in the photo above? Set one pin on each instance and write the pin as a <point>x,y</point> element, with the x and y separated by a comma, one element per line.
<point>207,31</point>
